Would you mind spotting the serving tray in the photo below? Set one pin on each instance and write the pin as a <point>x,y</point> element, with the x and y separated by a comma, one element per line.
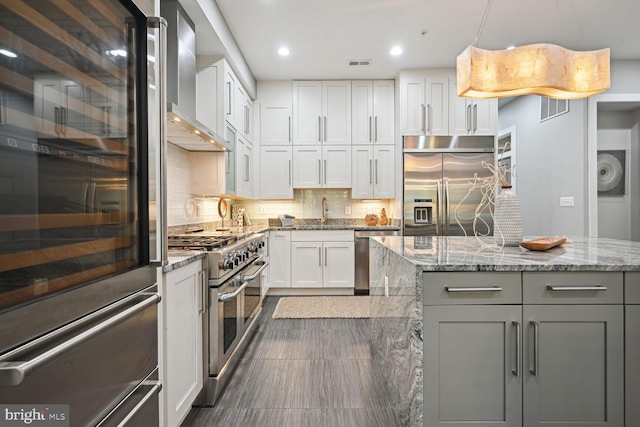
<point>543,243</point>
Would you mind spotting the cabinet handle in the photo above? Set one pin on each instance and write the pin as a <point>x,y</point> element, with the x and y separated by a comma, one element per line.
<point>246,120</point>
<point>376,170</point>
<point>204,288</point>
<point>454,289</point>
<point>517,370</point>
<point>289,172</point>
<point>320,257</point>
<point>319,129</point>
<point>576,288</point>
<point>246,161</point>
<point>468,118</point>
<point>370,136</point>
<point>229,103</point>
<point>325,129</point>
<point>429,118</point>
<point>63,120</point>
<point>375,138</point>
<point>475,117</point>
<point>424,118</point>
<point>319,171</point>
<point>325,171</point>
<point>370,171</point>
<point>536,348</point>
<point>325,257</point>
<point>289,128</point>
<point>56,119</point>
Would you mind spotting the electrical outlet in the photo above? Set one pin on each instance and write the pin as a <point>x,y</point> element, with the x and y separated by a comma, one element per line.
<point>566,202</point>
<point>263,210</point>
<point>386,286</point>
<point>369,209</point>
<point>347,210</point>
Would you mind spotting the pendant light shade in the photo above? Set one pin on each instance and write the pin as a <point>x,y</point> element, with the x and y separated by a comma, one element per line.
<point>539,69</point>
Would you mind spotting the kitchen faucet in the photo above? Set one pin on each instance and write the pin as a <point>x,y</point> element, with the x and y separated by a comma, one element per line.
<point>325,210</point>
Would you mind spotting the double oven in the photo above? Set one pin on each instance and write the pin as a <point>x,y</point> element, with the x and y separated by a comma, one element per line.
<point>234,290</point>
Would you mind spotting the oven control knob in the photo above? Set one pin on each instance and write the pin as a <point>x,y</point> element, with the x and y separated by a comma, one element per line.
<point>228,264</point>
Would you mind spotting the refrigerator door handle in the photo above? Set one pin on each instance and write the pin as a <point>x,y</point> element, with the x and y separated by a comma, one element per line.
<point>438,206</point>
<point>447,219</point>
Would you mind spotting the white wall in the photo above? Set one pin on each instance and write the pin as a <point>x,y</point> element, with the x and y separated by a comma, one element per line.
<point>614,212</point>
<point>550,163</point>
<point>634,177</point>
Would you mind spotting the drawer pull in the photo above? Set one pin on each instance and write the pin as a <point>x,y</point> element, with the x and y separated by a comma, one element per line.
<point>453,289</point>
<point>576,288</point>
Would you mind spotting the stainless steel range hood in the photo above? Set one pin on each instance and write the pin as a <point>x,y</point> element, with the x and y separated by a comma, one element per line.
<point>183,129</point>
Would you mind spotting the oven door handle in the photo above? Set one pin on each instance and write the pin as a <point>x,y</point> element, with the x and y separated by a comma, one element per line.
<point>231,295</point>
<point>250,277</point>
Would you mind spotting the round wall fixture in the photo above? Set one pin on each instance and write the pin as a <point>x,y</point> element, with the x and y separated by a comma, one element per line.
<point>610,172</point>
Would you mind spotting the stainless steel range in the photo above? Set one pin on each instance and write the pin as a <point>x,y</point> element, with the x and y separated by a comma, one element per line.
<point>234,301</point>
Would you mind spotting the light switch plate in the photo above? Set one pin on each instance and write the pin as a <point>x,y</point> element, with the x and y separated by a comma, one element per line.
<point>347,210</point>
<point>263,210</point>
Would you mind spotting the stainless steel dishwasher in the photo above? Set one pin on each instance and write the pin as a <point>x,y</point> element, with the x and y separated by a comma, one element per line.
<point>362,257</point>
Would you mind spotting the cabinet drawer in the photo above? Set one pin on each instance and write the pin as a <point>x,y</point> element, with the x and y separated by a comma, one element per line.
<point>572,288</point>
<point>471,288</point>
<point>322,235</point>
<point>632,287</point>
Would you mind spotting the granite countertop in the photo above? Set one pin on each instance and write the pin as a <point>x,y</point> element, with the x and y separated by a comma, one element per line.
<point>467,254</point>
<point>334,224</point>
<point>179,258</point>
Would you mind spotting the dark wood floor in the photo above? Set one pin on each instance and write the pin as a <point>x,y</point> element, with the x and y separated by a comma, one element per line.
<point>303,373</point>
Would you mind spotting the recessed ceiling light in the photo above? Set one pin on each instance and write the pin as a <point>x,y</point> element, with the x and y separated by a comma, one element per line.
<point>510,47</point>
<point>283,51</point>
<point>8,53</point>
<point>396,51</point>
<point>117,52</point>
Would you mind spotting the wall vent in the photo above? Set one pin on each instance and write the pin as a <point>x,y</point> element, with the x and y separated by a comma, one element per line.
<point>359,62</point>
<point>550,107</point>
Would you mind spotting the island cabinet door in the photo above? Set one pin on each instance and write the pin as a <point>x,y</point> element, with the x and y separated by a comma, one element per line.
<point>472,366</point>
<point>573,365</point>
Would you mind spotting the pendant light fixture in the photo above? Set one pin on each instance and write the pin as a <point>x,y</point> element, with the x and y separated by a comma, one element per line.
<point>537,69</point>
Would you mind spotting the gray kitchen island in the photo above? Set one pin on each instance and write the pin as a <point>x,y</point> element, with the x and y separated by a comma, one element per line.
<point>468,335</point>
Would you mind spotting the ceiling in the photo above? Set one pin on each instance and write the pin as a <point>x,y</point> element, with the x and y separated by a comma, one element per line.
<point>324,36</point>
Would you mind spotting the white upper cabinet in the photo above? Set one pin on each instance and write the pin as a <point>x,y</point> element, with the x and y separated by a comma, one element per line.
<point>243,112</point>
<point>471,116</point>
<point>373,172</point>
<point>275,113</point>
<point>221,98</point>
<point>321,112</point>
<point>276,172</point>
<point>424,102</point>
<point>328,166</point>
<point>244,167</point>
<point>372,112</point>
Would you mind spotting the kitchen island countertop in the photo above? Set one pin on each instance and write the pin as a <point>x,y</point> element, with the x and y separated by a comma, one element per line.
<point>466,254</point>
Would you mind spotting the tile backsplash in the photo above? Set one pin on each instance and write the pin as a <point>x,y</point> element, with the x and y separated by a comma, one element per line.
<point>184,208</point>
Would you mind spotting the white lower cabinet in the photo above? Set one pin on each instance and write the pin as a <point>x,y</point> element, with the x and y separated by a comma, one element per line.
<point>183,310</point>
<point>279,248</point>
<point>322,259</point>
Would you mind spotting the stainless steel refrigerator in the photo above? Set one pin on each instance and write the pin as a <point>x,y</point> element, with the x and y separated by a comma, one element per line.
<point>438,174</point>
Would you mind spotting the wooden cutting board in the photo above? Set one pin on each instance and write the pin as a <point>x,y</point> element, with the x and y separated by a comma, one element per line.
<point>543,243</point>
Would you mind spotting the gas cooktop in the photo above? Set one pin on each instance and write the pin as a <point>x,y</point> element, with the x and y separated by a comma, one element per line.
<point>200,242</point>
